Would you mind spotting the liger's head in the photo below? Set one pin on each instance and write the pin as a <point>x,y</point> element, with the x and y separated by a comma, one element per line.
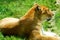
<point>43,12</point>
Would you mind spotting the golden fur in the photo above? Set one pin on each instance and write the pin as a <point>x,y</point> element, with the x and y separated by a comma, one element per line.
<point>28,25</point>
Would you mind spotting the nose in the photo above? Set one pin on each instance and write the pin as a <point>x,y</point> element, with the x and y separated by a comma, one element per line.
<point>53,12</point>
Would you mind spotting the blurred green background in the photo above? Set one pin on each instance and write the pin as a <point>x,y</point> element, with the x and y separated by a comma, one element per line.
<point>17,8</point>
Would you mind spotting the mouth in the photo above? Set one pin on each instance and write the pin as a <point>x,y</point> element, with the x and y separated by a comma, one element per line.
<point>48,19</point>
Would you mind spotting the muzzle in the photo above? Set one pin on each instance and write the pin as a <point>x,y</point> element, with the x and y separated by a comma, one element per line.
<point>48,19</point>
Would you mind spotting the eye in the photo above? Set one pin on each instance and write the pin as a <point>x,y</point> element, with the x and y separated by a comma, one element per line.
<point>44,12</point>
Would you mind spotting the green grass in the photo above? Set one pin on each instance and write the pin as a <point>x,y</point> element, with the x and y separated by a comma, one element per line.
<point>17,8</point>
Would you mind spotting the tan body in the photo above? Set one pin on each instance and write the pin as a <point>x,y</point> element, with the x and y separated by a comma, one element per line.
<point>20,27</point>
<point>29,25</point>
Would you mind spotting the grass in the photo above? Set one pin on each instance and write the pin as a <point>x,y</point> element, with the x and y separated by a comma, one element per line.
<point>17,8</point>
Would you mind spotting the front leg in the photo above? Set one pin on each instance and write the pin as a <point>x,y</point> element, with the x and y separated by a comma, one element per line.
<point>34,35</point>
<point>36,32</point>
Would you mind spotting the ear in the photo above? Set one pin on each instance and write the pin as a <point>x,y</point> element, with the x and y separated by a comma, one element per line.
<point>35,4</point>
<point>38,8</point>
